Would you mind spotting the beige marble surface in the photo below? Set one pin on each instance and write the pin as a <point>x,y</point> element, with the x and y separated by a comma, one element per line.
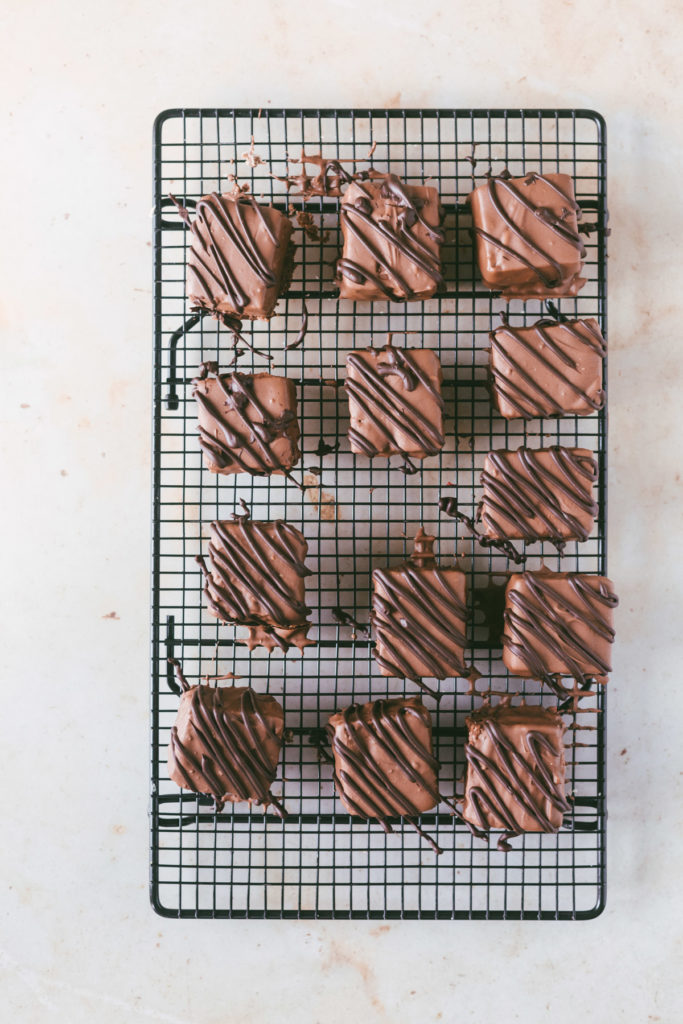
<point>81,85</point>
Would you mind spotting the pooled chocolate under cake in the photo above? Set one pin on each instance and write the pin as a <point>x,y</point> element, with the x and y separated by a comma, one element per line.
<point>255,577</point>
<point>419,617</point>
<point>527,239</point>
<point>515,771</point>
<point>247,421</point>
<point>226,742</point>
<point>392,240</point>
<point>241,256</point>
<point>538,494</point>
<point>548,369</point>
<point>558,624</point>
<point>383,761</point>
<point>395,402</point>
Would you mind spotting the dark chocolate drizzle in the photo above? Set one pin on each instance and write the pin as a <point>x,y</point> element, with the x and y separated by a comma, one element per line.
<point>345,618</point>
<point>552,221</point>
<point>526,491</point>
<point>380,403</point>
<point>527,395</point>
<point>232,748</point>
<point>303,327</point>
<point>517,776</point>
<point>531,624</point>
<point>450,508</point>
<point>246,562</point>
<point>356,769</point>
<point>256,430</point>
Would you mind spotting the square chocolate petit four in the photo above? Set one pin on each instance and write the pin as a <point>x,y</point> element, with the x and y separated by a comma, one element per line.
<point>247,422</point>
<point>548,369</point>
<point>392,240</point>
<point>527,239</point>
<point>558,624</point>
<point>395,402</point>
<point>515,771</point>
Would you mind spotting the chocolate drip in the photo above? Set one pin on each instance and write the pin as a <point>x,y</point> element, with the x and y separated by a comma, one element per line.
<point>526,490</point>
<point>450,507</point>
<point>528,396</point>
<point>234,760</point>
<point>256,429</point>
<point>372,786</point>
<point>303,327</point>
<point>382,406</point>
<point>246,563</point>
<point>525,778</point>
<point>534,628</point>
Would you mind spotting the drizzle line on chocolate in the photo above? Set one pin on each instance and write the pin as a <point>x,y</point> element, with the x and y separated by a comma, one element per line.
<point>302,329</point>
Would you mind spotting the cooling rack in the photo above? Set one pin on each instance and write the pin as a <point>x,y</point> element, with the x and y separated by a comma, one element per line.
<point>357,515</point>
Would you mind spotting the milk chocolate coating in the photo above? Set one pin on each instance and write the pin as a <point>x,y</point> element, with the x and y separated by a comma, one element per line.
<point>527,238</point>
<point>240,259</point>
<point>545,493</point>
<point>255,577</point>
<point>548,369</point>
<point>419,617</point>
<point>226,742</point>
<point>247,422</point>
<point>558,624</point>
<point>392,240</point>
<point>395,402</point>
<point>384,766</point>
<point>515,770</point>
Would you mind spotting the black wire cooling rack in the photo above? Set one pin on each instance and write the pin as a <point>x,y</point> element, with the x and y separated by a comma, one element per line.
<point>356,515</point>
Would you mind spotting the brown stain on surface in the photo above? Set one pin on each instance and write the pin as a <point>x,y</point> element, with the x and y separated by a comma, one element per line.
<point>110,615</point>
<point>337,956</point>
<point>321,500</point>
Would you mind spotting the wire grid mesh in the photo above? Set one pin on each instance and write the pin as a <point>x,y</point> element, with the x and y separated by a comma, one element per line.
<point>358,514</point>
